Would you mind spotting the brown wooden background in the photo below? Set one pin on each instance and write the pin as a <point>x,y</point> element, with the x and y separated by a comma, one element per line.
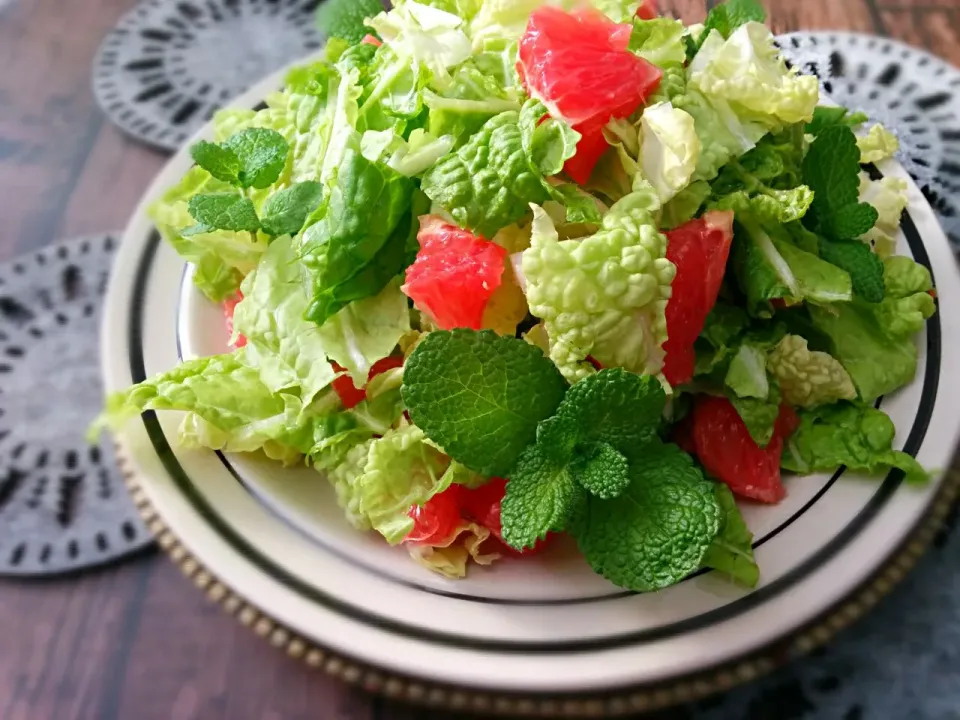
<point>138,641</point>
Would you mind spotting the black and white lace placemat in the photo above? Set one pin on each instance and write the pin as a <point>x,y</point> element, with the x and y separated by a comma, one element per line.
<point>169,64</point>
<point>63,505</point>
<point>913,93</point>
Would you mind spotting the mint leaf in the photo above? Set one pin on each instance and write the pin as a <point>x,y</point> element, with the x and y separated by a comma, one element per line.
<point>540,497</point>
<point>220,162</point>
<point>852,221</point>
<point>824,117</point>
<point>262,154</point>
<point>728,16</point>
<point>731,551</point>
<point>831,168</point>
<point>601,469</point>
<point>859,260</point>
<point>222,211</point>
<point>658,531</point>
<point>617,407</point>
<point>344,18</point>
<point>285,211</point>
<point>480,396</point>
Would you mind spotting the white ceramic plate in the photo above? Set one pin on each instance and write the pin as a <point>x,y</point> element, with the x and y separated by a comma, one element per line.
<point>541,635</point>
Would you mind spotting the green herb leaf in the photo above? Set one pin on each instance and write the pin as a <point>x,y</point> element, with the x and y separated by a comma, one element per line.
<point>344,18</point>
<point>480,396</point>
<point>601,469</point>
<point>262,154</point>
<point>541,497</point>
<point>220,162</point>
<point>864,265</point>
<point>285,211</point>
<point>731,551</point>
<point>728,16</point>
<point>824,117</point>
<point>658,530</point>
<point>223,211</point>
<point>831,168</point>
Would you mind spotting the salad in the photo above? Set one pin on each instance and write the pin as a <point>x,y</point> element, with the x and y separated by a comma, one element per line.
<point>506,269</point>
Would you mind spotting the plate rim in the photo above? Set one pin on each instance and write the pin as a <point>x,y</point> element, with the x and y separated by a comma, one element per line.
<point>681,688</point>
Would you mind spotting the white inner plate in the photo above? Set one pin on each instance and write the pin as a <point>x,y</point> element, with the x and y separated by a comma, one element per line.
<point>546,624</point>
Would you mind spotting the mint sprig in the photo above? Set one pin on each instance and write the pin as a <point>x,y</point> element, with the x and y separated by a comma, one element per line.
<point>591,462</point>
<point>480,396</point>
<point>251,158</point>
<point>831,168</point>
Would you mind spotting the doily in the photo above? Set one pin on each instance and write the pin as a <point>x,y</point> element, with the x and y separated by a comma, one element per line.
<point>167,66</point>
<point>63,504</point>
<point>913,93</point>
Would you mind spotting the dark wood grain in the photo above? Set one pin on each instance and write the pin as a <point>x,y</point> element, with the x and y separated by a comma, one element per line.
<point>138,641</point>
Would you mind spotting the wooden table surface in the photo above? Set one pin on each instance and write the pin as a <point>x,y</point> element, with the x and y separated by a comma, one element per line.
<point>137,640</point>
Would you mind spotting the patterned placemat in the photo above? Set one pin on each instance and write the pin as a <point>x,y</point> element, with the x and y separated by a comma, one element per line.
<point>63,505</point>
<point>913,93</point>
<point>169,64</point>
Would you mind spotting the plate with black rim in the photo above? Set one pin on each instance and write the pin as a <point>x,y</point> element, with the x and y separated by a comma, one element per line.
<point>539,628</point>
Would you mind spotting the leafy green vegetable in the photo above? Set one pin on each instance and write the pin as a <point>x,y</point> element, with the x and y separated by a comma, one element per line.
<point>760,416</point>
<point>659,41</point>
<point>748,70</point>
<point>656,532</point>
<point>480,396</point>
<point>731,551</point>
<point>222,211</point>
<point>831,168</point>
<point>747,374</point>
<point>728,16</point>
<point>808,378</point>
<point>878,144</point>
<point>359,241</point>
<point>669,148</point>
<point>401,471</point>
<point>864,266</point>
<point>220,258</point>
<point>287,350</point>
<point>220,162</point>
<point>489,183</point>
<point>888,196</point>
<point>603,295</point>
<point>463,107</point>
<point>231,408</point>
<point>366,330</point>
<point>285,211</point>
<point>826,116</point>
<point>859,437</point>
<point>601,470</point>
<point>344,18</point>
<point>541,497</point>
<point>908,301</point>
<point>605,421</point>
<point>262,154</point>
<point>877,363</point>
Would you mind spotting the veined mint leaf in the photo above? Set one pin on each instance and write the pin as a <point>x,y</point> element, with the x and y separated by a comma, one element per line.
<point>858,259</point>
<point>601,469</point>
<point>285,211</point>
<point>656,532</point>
<point>223,211</point>
<point>541,496</point>
<point>220,162</point>
<point>344,18</point>
<point>262,154</point>
<point>480,396</point>
<point>617,407</point>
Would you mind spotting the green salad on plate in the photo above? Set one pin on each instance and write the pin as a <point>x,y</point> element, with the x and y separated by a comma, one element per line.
<point>504,270</point>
